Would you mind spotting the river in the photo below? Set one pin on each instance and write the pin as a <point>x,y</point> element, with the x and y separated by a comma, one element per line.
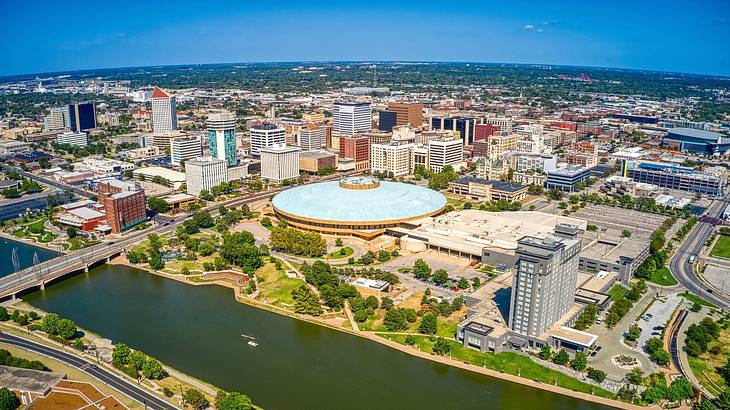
<point>25,255</point>
<point>297,365</point>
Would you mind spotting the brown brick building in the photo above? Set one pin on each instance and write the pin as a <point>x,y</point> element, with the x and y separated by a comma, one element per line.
<point>123,202</point>
<point>407,113</point>
<point>357,148</point>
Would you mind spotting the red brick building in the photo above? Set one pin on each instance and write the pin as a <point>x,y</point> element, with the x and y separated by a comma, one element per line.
<point>482,132</point>
<point>357,148</point>
<point>124,204</point>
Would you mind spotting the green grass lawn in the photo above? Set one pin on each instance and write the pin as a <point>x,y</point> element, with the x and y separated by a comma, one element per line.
<point>275,287</point>
<point>618,292</point>
<point>722,247</point>
<point>694,298</point>
<point>663,277</point>
<point>507,362</point>
<point>345,252</point>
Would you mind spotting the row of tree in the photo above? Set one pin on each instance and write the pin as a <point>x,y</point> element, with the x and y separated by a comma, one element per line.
<point>290,240</point>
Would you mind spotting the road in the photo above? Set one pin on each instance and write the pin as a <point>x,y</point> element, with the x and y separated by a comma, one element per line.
<point>109,378</point>
<point>682,269</point>
<point>52,182</point>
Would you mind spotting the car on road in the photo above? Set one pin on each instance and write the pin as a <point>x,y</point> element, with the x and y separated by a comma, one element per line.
<point>692,259</point>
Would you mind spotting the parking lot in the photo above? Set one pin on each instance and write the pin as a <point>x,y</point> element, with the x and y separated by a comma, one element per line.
<point>656,317</point>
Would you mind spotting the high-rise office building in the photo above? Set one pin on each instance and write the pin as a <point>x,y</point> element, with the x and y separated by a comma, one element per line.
<point>74,117</point>
<point>463,125</point>
<point>82,116</point>
<point>351,118</point>
<point>222,136</point>
<point>387,120</point>
<point>183,149</point>
<point>124,203</point>
<point>443,152</point>
<point>203,173</point>
<point>266,135</point>
<point>279,162</point>
<point>312,137</point>
<point>164,112</point>
<point>58,119</point>
<point>543,287</point>
<point>395,158</point>
<point>358,149</point>
<point>407,113</point>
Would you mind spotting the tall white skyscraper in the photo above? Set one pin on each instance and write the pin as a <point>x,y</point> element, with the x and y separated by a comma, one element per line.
<point>266,135</point>
<point>312,137</point>
<point>222,136</point>
<point>164,112</point>
<point>351,118</point>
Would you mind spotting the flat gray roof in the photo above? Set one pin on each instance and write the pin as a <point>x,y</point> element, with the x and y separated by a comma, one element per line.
<point>35,381</point>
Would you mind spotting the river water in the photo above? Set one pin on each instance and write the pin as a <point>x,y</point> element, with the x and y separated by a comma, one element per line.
<point>24,252</point>
<point>297,365</point>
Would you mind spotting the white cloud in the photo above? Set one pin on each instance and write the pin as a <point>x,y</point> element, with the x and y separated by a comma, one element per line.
<point>540,30</point>
<point>529,27</point>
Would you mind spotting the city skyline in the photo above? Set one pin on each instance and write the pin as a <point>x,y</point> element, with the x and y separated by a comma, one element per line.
<point>642,37</point>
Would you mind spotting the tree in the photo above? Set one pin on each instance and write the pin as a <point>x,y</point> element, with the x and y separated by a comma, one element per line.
<point>696,307</point>
<point>156,262</point>
<point>440,276</point>
<point>395,320</point>
<point>561,357</point>
<point>8,399</point>
<point>239,249</point>
<point>704,404</point>
<point>463,283</point>
<point>636,376</point>
<point>428,324</point>
<point>136,360</point>
<point>723,400</point>
<point>4,316</point>
<point>441,347</point>
<point>421,270</point>
<point>305,301</point>
<point>49,324</point>
<point>633,333</point>
<point>120,355</point>
<point>195,399</point>
<point>72,232</point>
<point>338,242</point>
<point>66,328</point>
<point>372,302</point>
<point>579,362</point>
<point>386,303</point>
<point>545,352</point>
<point>626,233</point>
<point>234,401</point>
<point>152,369</point>
<point>596,375</point>
<point>158,205</point>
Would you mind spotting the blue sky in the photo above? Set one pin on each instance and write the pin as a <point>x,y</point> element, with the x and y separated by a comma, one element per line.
<point>683,36</point>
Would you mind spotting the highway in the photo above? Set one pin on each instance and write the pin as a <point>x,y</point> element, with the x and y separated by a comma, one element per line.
<point>111,379</point>
<point>682,269</point>
<point>52,182</point>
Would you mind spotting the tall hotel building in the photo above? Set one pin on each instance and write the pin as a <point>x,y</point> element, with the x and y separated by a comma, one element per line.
<point>543,288</point>
<point>266,135</point>
<point>222,136</point>
<point>358,149</point>
<point>164,112</point>
<point>74,117</point>
<point>407,113</point>
<point>351,118</point>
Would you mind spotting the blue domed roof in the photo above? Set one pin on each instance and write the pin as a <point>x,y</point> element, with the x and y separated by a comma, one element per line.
<point>328,201</point>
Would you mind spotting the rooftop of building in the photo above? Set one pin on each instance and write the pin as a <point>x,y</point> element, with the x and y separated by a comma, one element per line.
<point>166,173</point>
<point>266,126</point>
<point>569,170</point>
<point>35,381</point>
<point>710,136</point>
<point>158,93</point>
<point>389,201</point>
<point>496,185</point>
<point>315,154</point>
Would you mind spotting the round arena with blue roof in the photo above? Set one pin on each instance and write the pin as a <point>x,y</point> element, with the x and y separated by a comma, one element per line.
<point>358,206</point>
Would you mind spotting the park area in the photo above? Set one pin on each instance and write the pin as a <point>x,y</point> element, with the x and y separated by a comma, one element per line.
<point>722,247</point>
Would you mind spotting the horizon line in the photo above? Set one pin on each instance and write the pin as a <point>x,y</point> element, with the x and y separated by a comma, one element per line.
<point>655,71</point>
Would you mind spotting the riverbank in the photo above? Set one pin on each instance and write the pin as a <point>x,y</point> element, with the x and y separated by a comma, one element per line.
<point>174,380</point>
<point>347,328</point>
<point>31,242</point>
